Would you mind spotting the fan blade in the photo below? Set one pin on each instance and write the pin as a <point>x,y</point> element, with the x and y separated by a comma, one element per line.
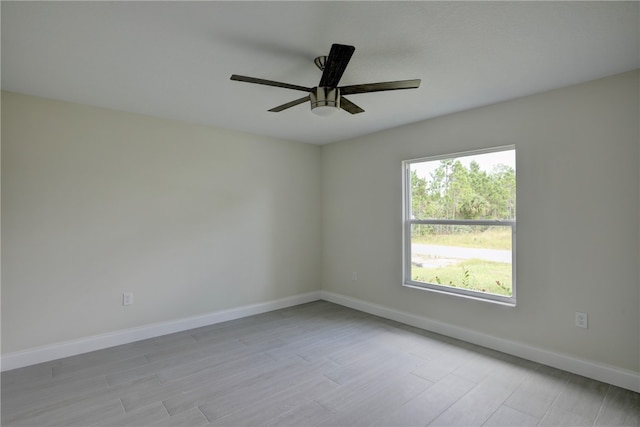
<point>337,61</point>
<point>269,83</point>
<point>289,104</point>
<point>378,87</point>
<point>349,106</point>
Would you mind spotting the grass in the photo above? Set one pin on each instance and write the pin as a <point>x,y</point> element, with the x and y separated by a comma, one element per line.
<point>493,238</point>
<point>472,274</point>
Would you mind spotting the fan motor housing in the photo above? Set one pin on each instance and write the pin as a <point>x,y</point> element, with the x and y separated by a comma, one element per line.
<point>325,97</point>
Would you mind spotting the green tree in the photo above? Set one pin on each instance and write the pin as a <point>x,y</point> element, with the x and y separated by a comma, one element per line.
<point>419,195</point>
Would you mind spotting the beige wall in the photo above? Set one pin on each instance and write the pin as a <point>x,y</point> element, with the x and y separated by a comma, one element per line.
<point>191,219</point>
<point>578,218</point>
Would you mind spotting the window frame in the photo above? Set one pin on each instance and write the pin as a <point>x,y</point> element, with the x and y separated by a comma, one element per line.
<point>408,222</point>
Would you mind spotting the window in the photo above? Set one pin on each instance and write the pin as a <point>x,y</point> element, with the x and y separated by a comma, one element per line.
<point>460,224</point>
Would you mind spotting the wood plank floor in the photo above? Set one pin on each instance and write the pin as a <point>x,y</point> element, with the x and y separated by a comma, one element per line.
<point>317,364</point>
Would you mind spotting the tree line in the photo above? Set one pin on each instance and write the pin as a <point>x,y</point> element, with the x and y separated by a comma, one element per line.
<point>454,191</point>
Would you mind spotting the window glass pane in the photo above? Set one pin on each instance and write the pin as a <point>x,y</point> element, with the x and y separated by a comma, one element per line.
<point>473,257</point>
<point>478,186</point>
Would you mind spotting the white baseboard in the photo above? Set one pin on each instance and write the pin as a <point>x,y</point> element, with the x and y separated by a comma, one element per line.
<point>47,353</point>
<point>609,374</point>
<point>622,378</point>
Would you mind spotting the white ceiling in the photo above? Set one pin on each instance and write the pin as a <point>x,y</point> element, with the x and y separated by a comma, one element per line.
<point>174,59</point>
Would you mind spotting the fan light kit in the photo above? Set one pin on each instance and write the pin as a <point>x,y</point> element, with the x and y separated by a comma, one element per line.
<point>325,100</point>
<point>327,97</point>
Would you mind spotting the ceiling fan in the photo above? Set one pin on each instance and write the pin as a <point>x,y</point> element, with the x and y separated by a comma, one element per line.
<point>327,97</point>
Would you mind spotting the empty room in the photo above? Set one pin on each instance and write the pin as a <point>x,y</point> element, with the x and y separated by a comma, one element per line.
<point>320,213</point>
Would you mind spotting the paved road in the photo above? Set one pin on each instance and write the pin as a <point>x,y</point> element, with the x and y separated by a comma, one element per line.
<point>454,252</point>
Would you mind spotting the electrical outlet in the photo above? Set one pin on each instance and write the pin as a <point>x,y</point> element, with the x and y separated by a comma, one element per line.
<point>127,298</point>
<point>581,320</point>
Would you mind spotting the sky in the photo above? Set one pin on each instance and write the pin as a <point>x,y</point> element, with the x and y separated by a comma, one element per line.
<point>486,161</point>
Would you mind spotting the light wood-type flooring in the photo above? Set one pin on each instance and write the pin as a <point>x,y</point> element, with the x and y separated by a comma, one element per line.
<point>316,364</point>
